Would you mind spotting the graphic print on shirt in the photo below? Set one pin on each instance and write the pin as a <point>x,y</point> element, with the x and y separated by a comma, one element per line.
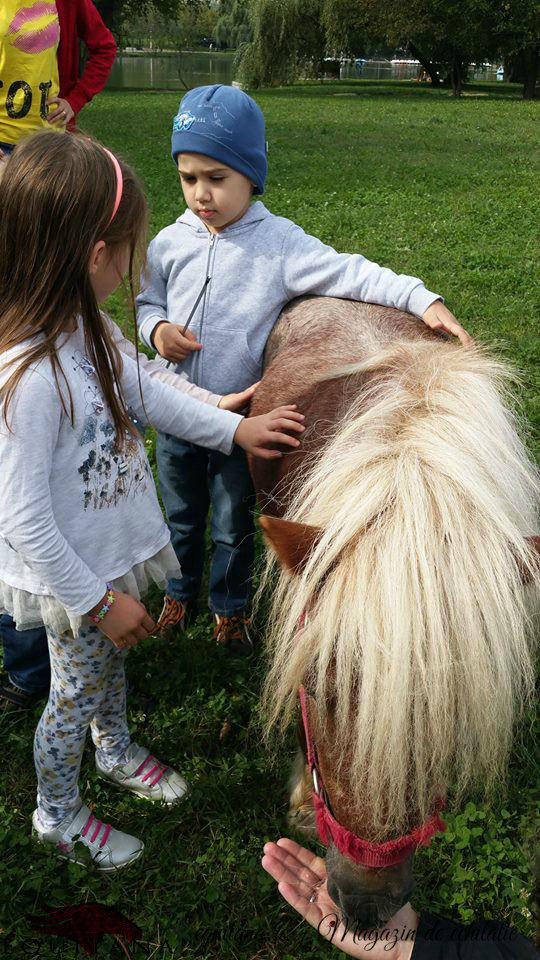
<point>108,475</point>
<point>34,28</point>
<point>29,37</point>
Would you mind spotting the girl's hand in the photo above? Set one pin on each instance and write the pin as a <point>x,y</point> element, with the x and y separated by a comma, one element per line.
<point>237,401</point>
<point>127,621</point>
<point>255,434</point>
<point>171,344</point>
<point>301,878</point>
<point>63,113</point>
<point>439,317</point>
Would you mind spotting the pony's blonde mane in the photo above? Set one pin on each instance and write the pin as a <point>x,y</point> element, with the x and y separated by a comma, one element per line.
<point>417,610</point>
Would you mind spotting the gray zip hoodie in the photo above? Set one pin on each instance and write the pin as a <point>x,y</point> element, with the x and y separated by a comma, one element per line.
<point>256,266</point>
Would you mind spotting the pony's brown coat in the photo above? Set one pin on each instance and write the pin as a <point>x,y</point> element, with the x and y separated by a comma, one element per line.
<point>412,468</point>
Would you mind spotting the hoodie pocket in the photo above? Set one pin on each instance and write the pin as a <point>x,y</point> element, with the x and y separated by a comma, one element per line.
<point>227,351</point>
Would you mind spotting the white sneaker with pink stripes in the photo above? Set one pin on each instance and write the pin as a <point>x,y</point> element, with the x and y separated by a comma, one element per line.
<point>110,849</point>
<point>145,776</point>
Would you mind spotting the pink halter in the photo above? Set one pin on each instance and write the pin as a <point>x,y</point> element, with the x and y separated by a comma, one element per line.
<point>360,851</point>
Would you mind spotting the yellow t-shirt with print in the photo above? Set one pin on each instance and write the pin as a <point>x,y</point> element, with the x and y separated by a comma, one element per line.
<point>29,35</point>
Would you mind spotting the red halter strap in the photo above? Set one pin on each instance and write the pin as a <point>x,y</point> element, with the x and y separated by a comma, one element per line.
<point>360,851</point>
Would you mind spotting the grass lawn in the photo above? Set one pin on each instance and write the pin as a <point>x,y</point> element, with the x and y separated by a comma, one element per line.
<point>442,189</point>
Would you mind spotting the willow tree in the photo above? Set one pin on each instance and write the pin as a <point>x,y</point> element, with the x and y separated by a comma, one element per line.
<point>289,38</point>
<point>233,27</point>
<point>292,36</point>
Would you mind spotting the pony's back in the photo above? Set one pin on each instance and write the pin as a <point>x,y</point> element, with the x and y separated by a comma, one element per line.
<point>423,492</point>
<point>314,337</point>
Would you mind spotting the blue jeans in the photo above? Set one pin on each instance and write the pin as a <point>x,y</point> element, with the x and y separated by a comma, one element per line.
<point>191,479</point>
<point>26,656</point>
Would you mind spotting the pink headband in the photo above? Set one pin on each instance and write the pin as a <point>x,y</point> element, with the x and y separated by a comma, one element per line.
<point>119,184</point>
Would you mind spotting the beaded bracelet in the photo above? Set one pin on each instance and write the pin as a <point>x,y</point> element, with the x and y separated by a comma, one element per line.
<point>106,606</point>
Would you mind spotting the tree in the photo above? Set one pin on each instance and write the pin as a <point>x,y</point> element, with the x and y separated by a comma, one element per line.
<point>288,37</point>
<point>441,34</point>
<point>196,22</point>
<point>233,27</point>
<point>114,12</point>
<point>450,33</point>
<point>518,32</point>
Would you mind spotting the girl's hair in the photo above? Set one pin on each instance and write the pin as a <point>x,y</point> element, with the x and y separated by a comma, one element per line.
<point>57,197</point>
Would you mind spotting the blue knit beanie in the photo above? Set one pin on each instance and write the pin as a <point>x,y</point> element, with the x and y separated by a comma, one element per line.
<point>225,124</point>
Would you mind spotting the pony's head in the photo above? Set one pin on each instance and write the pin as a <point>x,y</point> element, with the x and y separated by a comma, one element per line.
<point>408,543</point>
<point>369,882</point>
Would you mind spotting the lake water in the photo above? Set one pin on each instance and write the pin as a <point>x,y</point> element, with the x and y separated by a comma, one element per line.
<point>166,71</point>
<point>388,70</point>
<point>161,71</point>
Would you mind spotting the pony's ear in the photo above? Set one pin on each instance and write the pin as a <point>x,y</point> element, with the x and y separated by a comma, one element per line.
<point>293,542</point>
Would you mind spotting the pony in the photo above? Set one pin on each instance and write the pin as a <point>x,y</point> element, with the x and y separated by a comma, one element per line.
<point>404,603</point>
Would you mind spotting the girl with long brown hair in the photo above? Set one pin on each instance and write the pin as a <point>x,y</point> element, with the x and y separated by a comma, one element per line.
<point>81,530</point>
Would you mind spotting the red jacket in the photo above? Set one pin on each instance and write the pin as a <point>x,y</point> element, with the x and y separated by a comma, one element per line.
<point>79,20</point>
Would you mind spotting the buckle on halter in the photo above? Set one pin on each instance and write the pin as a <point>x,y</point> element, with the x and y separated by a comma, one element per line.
<point>316,786</point>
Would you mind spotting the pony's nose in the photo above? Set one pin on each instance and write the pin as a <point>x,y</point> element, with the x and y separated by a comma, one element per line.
<point>364,913</point>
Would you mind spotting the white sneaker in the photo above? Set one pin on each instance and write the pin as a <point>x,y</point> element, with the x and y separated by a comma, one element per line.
<point>110,849</point>
<point>147,777</point>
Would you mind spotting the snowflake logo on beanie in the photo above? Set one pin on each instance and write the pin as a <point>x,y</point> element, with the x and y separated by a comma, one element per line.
<point>183,121</point>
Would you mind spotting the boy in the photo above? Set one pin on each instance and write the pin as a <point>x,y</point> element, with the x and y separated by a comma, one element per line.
<point>252,263</point>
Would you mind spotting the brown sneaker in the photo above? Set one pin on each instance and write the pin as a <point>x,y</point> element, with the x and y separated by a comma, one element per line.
<point>175,615</point>
<point>233,633</point>
<point>13,698</point>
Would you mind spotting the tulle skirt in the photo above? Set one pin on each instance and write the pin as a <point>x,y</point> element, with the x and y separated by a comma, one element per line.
<point>31,610</point>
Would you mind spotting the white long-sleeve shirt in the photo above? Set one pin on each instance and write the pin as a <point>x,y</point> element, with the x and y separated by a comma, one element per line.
<point>75,514</point>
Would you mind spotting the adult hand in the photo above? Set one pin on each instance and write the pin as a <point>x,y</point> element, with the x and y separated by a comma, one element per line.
<point>439,317</point>
<point>63,112</point>
<point>127,621</point>
<point>237,401</point>
<point>255,434</point>
<point>171,343</point>
<point>301,878</point>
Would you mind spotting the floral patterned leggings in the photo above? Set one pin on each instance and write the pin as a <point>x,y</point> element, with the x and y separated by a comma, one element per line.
<point>88,689</point>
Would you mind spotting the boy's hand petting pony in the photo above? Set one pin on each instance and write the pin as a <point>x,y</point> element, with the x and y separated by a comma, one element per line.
<point>439,317</point>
